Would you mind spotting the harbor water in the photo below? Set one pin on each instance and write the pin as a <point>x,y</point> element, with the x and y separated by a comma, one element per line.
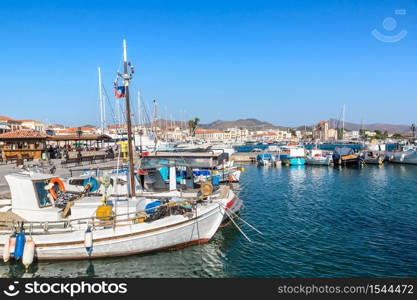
<point>316,222</point>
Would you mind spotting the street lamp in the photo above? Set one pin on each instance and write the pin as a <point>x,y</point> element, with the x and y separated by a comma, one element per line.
<point>79,133</point>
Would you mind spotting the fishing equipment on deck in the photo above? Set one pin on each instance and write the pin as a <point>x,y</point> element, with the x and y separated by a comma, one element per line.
<point>150,208</point>
<point>53,183</point>
<point>88,240</point>
<point>28,253</point>
<point>20,245</point>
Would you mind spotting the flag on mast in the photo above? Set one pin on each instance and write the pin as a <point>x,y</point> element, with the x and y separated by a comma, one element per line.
<point>119,92</point>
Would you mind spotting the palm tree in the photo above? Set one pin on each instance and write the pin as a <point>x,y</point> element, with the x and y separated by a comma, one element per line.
<point>192,125</point>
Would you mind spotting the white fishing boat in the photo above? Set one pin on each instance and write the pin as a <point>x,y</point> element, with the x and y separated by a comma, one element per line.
<point>292,154</point>
<point>319,157</point>
<point>372,157</point>
<point>407,156</point>
<point>127,226</point>
<point>62,225</point>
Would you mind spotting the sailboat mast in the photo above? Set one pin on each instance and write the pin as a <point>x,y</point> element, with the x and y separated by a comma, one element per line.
<point>139,112</point>
<point>343,122</point>
<point>100,95</point>
<point>129,124</point>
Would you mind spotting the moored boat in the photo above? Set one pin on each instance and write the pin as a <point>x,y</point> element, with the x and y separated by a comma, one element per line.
<point>319,158</point>
<point>292,155</point>
<point>346,157</point>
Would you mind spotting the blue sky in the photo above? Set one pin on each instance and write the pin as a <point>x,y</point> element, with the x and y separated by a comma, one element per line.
<point>287,62</point>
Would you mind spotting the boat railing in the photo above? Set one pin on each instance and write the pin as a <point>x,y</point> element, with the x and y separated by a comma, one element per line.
<point>100,222</point>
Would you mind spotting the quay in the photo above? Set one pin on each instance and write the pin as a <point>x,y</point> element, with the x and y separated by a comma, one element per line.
<point>249,157</point>
<point>239,157</point>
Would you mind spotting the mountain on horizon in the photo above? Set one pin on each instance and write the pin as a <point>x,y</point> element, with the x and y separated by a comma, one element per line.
<point>390,128</point>
<point>251,123</point>
<point>254,124</point>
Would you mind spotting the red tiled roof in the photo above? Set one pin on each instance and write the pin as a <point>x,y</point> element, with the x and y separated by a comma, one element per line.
<point>23,134</point>
<point>7,119</point>
<point>28,121</point>
<point>4,118</point>
<point>205,131</point>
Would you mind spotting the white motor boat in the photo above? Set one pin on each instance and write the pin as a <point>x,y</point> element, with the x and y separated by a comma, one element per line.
<point>128,226</point>
<point>319,158</point>
<point>404,157</point>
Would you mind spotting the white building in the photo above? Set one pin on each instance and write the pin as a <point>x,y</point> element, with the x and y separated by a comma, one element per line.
<point>209,135</point>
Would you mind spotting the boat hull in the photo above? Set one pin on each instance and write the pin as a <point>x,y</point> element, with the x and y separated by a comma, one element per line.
<point>348,160</point>
<point>131,239</point>
<point>319,161</point>
<point>295,161</point>
<point>404,158</point>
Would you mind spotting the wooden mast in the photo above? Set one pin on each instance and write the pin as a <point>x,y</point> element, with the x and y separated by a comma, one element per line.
<point>126,77</point>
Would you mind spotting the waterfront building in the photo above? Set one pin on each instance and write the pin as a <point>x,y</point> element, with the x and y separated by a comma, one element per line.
<point>75,131</point>
<point>4,126</point>
<point>33,124</point>
<point>23,144</point>
<point>332,134</point>
<point>175,133</point>
<point>352,135</point>
<point>10,124</point>
<point>321,131</point>
<point>266,137</point>
<point>370,133</point>
<point>209,135</point>
<point>236,134</point>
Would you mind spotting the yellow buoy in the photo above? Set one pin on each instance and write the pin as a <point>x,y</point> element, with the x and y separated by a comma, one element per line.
<point>104,212</point>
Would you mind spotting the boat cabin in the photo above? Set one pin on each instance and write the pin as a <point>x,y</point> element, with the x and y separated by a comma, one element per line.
<point>167,170</point>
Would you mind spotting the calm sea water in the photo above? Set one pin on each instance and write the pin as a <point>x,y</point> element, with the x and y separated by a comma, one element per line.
<point>317,222</point>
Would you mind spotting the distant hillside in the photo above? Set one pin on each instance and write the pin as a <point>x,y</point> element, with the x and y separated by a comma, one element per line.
<point>251,124</point>
<point>391,128</point>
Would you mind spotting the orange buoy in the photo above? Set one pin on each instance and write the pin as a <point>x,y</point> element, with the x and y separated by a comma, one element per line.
<point>60,184</point>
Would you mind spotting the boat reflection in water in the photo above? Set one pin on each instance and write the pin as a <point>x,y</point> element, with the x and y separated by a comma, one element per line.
<point>204,260</point>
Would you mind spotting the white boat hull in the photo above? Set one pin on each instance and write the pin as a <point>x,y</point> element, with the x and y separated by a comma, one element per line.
<point>173,232</point>
<point>404,158</point>
<point>319,161</point>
